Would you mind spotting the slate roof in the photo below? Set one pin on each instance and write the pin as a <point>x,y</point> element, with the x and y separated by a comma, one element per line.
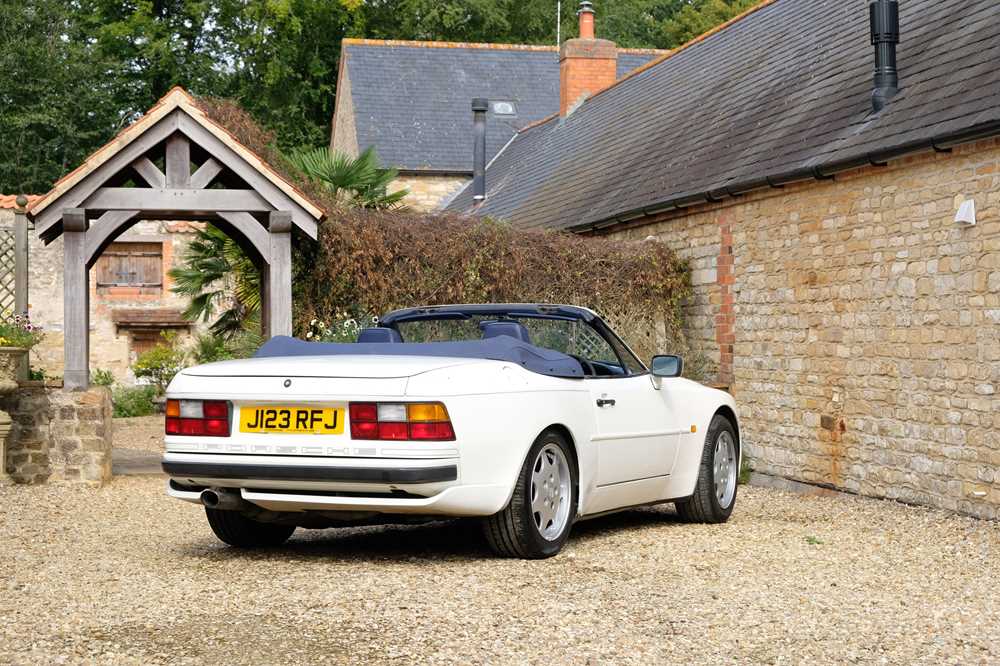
<point>412,99</point>
<point>781,94</point>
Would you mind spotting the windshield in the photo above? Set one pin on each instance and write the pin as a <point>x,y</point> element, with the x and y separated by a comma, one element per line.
<point>573,337</point>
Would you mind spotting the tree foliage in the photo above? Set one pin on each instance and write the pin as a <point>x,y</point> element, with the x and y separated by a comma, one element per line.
<point>695,17</point>
<point>57,95</point>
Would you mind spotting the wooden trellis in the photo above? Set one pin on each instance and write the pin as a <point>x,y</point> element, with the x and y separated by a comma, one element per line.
<point>14,266</point>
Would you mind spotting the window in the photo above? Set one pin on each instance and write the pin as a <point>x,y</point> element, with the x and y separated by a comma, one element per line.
<point>632,364</point>
<point>131,266</point>
<point>504,108</point>
<point>569,336</point>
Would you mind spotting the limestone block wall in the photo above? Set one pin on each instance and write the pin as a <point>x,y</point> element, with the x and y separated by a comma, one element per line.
<point>697,238</point>
<point>429,193</point>
<point>59,436</point>
<point>866,326</point>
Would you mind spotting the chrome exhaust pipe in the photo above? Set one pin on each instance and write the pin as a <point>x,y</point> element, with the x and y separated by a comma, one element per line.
<point>222,499</point>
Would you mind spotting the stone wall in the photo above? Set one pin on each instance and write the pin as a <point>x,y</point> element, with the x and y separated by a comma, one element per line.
<point>695,237</point>
<point>59,436</point>
<point>429,193</point>
<point>866,329</point>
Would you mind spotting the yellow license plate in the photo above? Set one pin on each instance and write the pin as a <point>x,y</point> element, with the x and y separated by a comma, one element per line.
<point>292,420</point>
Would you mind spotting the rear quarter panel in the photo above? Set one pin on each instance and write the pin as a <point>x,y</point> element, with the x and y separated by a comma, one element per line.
<point>499,411</point>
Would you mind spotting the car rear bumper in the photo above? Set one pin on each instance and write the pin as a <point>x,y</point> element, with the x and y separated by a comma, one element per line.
<point>296,483</point>
<point>454,501</point>
<point>326,473</point>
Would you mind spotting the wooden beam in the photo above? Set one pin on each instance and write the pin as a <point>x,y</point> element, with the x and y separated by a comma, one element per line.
<point>178,162</point>
<point>231,160</point>
<point>104,230</point>
<point>76,301</point>
<point>279,275</point>
<point>46,222</point>
<point>203,177</point>
<point>179,201</point>
<point>254,232</point>
<point>149,172</point>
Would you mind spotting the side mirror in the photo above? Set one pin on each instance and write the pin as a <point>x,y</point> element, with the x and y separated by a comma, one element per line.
<point>666,366</point>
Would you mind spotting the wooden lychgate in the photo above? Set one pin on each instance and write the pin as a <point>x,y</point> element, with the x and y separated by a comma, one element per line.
<point>173,163</point>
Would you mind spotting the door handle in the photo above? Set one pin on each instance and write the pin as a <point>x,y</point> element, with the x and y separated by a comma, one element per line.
<point>605,402</point>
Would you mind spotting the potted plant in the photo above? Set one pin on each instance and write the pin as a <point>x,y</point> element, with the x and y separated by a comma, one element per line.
<point>17,336</point>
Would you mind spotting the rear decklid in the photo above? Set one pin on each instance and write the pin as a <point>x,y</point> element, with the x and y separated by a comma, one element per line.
<point>308,377</point>
<point>361,366</point>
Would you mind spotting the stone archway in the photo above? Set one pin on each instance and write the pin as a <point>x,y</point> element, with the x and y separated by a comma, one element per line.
<point>206,175</point>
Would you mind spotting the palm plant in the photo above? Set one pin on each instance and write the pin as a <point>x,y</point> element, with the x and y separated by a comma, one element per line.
<point>217,276</point>
<point>357,181</point>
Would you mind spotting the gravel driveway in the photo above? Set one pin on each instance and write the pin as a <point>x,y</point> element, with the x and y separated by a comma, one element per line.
<point>126,575</point>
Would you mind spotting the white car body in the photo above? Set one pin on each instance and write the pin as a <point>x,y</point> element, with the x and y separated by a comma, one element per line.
<point>644,448</point>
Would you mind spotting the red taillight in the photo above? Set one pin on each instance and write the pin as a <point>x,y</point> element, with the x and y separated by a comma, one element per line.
<point>400,421</point>
<point>364,411</point>
<point>215,409</point>
<point>392,431</point>
<point>213,420</point>
<point>364,430</point>
<point>216,427</point>
<point>432,431</point>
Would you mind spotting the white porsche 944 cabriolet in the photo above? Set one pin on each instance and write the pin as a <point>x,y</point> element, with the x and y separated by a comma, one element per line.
<point>528,416</point>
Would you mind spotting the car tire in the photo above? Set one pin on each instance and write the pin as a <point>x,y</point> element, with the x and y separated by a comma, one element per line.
<point>536,522</point>
<point>237,530</point>
<point>718,474</point>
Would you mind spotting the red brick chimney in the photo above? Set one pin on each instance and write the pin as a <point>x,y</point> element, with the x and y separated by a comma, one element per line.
<point>586,64</point>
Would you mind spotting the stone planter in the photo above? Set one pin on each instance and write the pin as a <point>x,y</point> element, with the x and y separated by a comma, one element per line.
<point>13,368</point>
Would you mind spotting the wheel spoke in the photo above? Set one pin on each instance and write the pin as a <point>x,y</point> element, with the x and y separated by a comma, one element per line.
<point>537,500</point>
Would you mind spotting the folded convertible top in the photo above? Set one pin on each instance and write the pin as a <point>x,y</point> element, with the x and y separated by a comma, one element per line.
<point>501,348</point>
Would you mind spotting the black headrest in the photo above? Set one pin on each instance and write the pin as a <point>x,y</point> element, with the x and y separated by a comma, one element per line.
<point>379,335</point>
<point>514,329</point>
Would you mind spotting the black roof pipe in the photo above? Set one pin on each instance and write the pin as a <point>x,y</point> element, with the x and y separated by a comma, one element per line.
<point>884,16</point>
<point>479,107</point>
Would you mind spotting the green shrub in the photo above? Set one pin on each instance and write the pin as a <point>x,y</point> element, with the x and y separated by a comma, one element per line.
<point>246,343</point>
<point>208,348</point>
<point>133,401</point>
<point>161,363</point>
<point>101,377</point>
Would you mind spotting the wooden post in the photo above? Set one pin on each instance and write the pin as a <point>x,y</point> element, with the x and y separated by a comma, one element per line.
<point>178,159</point>
<point>21,272</point>
<point>20,256</point>
<point>76,301</point>
<point>278,276</point>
